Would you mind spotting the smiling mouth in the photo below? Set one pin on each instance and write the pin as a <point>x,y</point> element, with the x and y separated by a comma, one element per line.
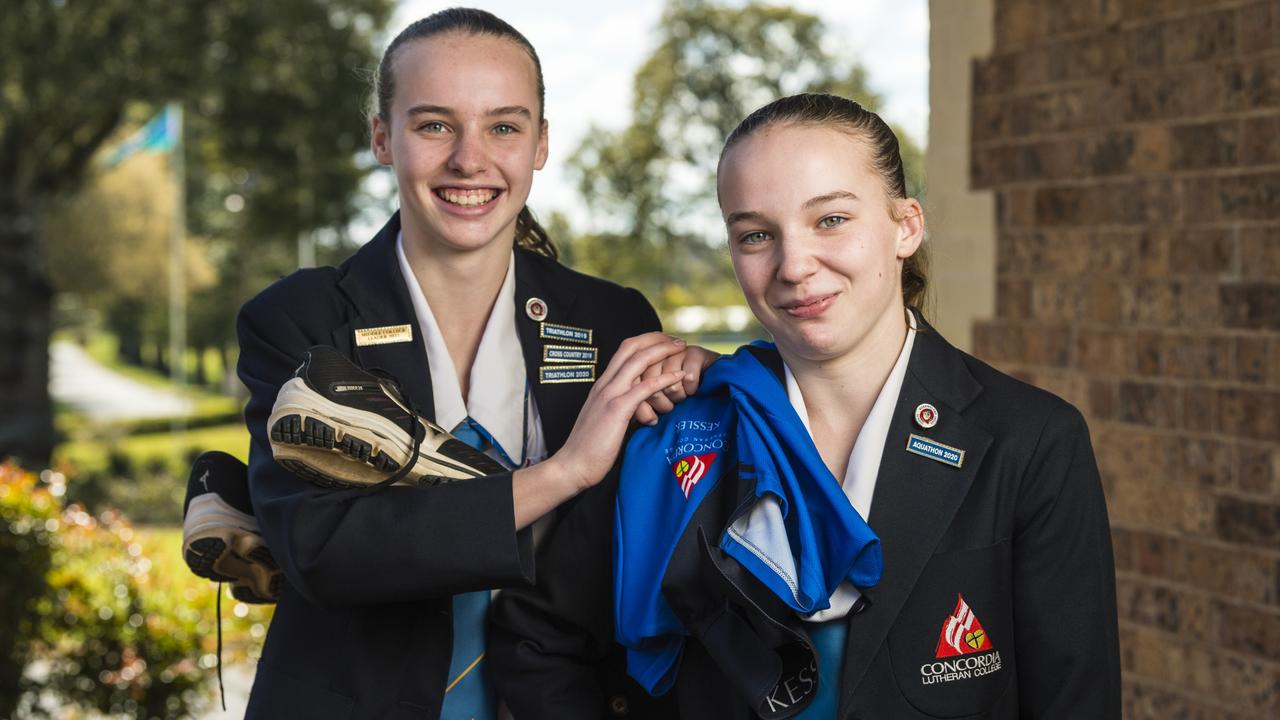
<point>468,198</point>
<point>808,308</point>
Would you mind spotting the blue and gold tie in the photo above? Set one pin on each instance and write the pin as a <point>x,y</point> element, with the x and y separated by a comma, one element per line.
<point>469,694</point>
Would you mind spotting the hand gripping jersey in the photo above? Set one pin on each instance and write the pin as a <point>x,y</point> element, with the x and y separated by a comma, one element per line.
<point>728,525</point>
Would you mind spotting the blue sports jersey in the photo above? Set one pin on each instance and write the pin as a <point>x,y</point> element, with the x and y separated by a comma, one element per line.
<point>740,428</point>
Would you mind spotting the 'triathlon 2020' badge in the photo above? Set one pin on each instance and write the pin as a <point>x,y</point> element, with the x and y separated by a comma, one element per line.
<point>964,649</point>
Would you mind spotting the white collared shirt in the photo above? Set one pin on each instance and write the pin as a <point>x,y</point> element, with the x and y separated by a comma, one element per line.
<point>860,475</point>
<point>498,381</point>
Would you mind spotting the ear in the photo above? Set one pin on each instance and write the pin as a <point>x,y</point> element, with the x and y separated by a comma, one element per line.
<point>380,139</point>
<point>540,158</point>
<point>910,227</point>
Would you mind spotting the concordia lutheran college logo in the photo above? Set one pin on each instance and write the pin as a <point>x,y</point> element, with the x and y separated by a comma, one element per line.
<point>964,649</point>
<point>689,470</point>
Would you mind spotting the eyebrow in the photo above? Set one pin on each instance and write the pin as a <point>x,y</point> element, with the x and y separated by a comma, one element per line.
<point>836,195</point>
<point>441,110</point>
<point>743,215</point>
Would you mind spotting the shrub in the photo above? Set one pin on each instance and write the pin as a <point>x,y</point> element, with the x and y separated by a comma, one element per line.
<point>114,621</point>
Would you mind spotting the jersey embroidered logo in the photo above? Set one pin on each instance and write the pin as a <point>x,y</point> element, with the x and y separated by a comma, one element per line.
<point>962,633</point>
<point>690,469</point>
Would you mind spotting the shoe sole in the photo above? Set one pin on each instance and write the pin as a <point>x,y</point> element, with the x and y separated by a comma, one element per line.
<point>223,544</point>
<point>338,446</point>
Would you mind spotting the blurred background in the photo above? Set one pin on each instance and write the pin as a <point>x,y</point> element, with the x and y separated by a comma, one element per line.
<point>1101,179</point>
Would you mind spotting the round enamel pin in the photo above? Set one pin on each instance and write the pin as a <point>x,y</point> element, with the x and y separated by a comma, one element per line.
<point>536,309</point>
<point>926,415</point>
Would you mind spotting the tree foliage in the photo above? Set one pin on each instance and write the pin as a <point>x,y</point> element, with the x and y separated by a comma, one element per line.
<point>273,97</point>
<point>650,187</point>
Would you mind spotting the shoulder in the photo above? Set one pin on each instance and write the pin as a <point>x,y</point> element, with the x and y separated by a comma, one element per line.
<point>582,283</point>
<point>304,297</point>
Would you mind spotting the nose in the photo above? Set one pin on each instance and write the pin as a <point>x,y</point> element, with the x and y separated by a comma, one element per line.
<point>796,260</point>
<point>468,155</point>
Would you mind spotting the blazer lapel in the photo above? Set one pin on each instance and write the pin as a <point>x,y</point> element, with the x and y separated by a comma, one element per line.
<point>915,497</point>
<point>558,403</point>
<point>377,291</point>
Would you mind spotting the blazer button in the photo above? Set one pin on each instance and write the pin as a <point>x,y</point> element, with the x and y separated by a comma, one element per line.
<point>618,706</point>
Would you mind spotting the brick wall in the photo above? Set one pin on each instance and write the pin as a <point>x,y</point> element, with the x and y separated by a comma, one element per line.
<point>1134,150</point>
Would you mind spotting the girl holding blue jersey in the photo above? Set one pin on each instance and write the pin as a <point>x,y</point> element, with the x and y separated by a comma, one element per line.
<point>996,593</point>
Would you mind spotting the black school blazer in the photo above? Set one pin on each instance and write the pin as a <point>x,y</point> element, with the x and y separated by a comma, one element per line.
<point>363,627</point>
<point>1019,531</point>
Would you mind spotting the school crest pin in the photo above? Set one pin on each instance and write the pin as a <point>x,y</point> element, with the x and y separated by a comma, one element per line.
<point>926,415</point>
<point>536,309</point>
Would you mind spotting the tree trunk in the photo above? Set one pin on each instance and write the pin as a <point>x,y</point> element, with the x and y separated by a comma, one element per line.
<point>26,304</point>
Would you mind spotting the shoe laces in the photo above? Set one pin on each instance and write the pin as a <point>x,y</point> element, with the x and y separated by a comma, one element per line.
<point>414,424</point>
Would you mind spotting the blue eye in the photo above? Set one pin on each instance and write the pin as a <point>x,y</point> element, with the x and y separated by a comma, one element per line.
<point>831,221</point>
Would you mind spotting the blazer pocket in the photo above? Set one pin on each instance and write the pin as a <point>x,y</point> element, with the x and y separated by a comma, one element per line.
<point>277,695</point>
<point>952,645</point>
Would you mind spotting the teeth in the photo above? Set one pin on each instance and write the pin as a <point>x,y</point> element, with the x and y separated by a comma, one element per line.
<point>467,198</point>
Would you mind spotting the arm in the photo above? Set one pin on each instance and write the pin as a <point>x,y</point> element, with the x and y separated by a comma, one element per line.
<point>1064,596</point>
<point>346,547</point>
<point>407,543</point>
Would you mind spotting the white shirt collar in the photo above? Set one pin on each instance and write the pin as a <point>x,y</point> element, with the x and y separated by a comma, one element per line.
<point>497,374</point>
<point>860,475</point>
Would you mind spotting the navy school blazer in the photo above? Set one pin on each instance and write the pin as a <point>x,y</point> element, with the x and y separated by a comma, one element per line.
<point>1014,544</point>
<point>363,628</point>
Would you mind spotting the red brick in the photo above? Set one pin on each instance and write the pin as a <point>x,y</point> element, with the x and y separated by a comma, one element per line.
<point>1153,148</point>
<point>1251,359</point>
<point>1203,252</point>
<point>1018,22</point>
<point>1250,630</point>
<point>1250,413</point>
<point>1102,400</point>
<point>1201,37</point>
<point>1148,353</point>
<point>1257,27</point>
<point>1255,196</point>
<point>992,75</point>
<point>1252,306</point>
<point>1087,57</point>
<point>1249,522</point>
<point>1201,409</point>
<point>1205,145</point>
<point>1015,207</point>
<point>1185,92</point>
<point>1145,604</point>
<point>1260,140</point>
<point>1102,352</point>
<point>1250,85</point>
<point>1196,357</point>
<point>1205,462</point>
<point>1199,304</point>
<point>1258,468</point>
<point>1260,252</point>
<point>1013,298</point>
<point>1150,404</point>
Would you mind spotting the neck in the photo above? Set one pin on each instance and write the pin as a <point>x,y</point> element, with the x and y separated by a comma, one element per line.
<point>839,392</point>
<point>461,287</point>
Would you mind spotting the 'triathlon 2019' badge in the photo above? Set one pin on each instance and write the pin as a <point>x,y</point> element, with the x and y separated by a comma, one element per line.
<point>689,470</point>
<point>964,649</point>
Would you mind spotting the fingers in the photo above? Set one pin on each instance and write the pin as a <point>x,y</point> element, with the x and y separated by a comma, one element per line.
<point>634,356</point>
<point>697,359</point>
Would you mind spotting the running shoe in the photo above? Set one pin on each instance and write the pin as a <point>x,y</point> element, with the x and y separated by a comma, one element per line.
<point>220,536</point>
<point>339,425</point>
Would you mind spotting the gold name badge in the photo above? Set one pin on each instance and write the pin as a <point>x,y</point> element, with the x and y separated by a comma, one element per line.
<point>384,335</point>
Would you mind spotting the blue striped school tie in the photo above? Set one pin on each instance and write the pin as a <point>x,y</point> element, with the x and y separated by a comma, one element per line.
<point>469,694</point>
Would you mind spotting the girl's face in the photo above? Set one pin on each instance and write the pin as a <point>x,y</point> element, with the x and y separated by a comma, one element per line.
<point>815,249</point>
<point>464,137</point>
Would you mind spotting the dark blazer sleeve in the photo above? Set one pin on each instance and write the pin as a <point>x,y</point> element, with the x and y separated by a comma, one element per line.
<point>1064,580</point>
<point>346,547</point>
<point>547,643</point>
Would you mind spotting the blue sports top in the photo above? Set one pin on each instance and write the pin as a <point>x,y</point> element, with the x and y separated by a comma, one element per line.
<point>740,428</point>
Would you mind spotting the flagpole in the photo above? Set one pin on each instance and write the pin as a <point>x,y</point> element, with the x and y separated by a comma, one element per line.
<point>177,266</point>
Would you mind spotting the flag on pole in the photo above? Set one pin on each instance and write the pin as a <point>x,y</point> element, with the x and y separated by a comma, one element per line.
<point>160,134</point>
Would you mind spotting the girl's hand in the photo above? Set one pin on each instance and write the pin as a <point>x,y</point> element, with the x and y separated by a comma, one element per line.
<point>637,371</point>
<point>691,361</point>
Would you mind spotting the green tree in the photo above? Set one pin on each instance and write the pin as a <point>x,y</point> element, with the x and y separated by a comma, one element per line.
<point>272,92</point>
<point>650,187</point>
